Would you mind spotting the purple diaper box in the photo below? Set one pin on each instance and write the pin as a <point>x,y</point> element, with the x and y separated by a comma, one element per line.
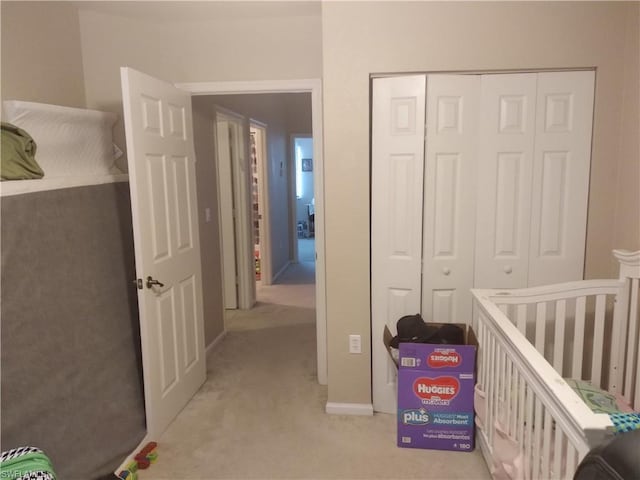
<point>435,394</point>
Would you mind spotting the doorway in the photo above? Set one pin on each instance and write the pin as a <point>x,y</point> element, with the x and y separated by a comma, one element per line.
<point>260,201</point>
<point>314,87</point>
<point>304,211</point>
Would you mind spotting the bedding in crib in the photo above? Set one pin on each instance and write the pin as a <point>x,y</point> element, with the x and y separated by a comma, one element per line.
<point>508,461</point>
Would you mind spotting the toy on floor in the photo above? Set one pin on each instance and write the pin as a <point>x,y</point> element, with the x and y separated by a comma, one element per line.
<point>142,460</point>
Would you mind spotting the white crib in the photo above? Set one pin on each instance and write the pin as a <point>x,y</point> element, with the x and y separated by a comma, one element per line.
<point>529,340</point>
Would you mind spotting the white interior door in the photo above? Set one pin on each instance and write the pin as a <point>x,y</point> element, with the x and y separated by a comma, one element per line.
<point>227,226</point>
<point>161,160</point>
<point>242,179</point>
<point>449,197</point>
<point>505,169</point>
<point>396,220</point>
<point>234,183</point>
<point>562,161</point>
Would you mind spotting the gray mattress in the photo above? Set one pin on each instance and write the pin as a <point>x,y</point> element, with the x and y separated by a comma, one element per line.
<point>71,363</point>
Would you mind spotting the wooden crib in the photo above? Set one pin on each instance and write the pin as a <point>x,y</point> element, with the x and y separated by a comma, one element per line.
<point>531,423</point>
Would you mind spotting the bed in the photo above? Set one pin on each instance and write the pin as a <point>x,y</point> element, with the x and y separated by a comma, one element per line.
<point>535,345</point>
<point>71,380</point>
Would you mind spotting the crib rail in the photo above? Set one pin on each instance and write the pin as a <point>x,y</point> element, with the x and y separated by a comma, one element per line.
<point>567,324</point>
<point>552,428</point>
<point>529,339</point>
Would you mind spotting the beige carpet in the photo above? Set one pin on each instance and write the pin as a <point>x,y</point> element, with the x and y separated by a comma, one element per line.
<point>260,414</point>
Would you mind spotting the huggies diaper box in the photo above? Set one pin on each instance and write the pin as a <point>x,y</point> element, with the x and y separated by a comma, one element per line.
<point>435,394</point>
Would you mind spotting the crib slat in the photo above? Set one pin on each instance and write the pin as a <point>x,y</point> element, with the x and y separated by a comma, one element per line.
<point>516,401</point>
<point>633,351</point>
<point>541,320</point>
<point>546,446</point>
<point>578,338</point>
<point>528,450</point>
<point>598,340</point>
<point>522,319</point>
<point>558,340</point>
<point>558,446</point>
<point>537,443</point>
<point>571,462</point>
<point>521,410</point>
<point>491,379</point>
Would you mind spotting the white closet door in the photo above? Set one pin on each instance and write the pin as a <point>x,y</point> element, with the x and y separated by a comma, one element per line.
<point>449,197</point>
<point>505,169</point>
<point>396,218</point>
<point>562,162</point>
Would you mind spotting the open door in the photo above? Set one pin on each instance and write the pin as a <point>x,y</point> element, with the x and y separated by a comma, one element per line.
<point>161,158</point>
<point>227,217</point>
<point>236,222</point>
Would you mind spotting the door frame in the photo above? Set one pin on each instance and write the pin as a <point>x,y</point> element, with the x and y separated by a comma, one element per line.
<point>263,199</point>
<point>314,87</point>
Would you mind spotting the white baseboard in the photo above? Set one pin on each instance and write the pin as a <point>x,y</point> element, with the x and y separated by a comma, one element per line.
<point>349,408</point>
<point>215,343</point>
<point>281,271</point>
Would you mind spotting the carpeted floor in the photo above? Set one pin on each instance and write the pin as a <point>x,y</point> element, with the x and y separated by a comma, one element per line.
<point>260,414</point>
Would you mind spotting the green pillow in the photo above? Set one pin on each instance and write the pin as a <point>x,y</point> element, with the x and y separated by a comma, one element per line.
<point>18,154</point>
<point>597,400</point>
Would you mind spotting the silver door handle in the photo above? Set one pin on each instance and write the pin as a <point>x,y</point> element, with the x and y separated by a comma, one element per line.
<point>151,282</point>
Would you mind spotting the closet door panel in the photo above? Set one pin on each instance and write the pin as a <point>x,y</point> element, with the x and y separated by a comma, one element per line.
<point>562,160</point>
<point>505,169</point>
<point>449,197</point>
<point>396,218</point>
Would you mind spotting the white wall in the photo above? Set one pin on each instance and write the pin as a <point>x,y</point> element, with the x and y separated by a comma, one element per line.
<point>364,38</point>
<point>626,233</point>
<point>196,42</point>
<point>41,56</point>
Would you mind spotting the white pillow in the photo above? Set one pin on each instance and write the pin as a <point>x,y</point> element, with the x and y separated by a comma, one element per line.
<point>70,141</point>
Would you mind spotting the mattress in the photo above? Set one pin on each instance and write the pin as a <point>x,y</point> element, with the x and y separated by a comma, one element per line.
<point>70,141</point>
<point>70,340</point>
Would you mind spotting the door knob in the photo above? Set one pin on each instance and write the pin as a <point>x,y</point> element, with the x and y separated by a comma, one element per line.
<point>151,282</point>
<point>507,269</point>
<point>446,270</point>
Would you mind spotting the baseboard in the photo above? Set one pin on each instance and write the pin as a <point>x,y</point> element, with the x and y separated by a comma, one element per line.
<point>334,408</point>
<point>281,271</point>
<point>215,343</point>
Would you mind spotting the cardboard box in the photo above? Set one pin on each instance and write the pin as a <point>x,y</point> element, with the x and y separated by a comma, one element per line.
<point>435,393</point>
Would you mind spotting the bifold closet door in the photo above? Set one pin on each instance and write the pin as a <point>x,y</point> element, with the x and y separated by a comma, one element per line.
<point>396,219</point>
<point>506,136</point>
<point>450,197</point>
<point>533,178</point>
<point>562,161</point>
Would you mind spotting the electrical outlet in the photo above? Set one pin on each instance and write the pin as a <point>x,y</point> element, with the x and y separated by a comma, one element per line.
<point>355,344</point>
